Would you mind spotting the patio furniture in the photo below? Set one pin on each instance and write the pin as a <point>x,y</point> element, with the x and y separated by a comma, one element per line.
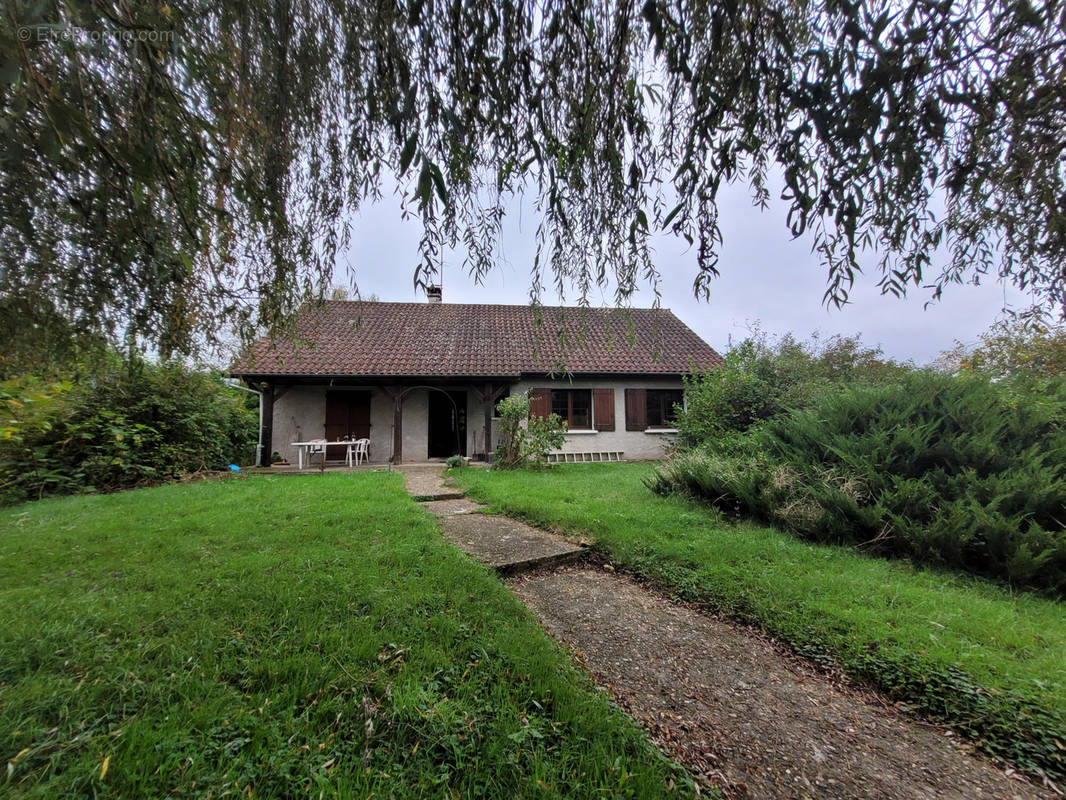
<point>359,450</point>
<point>313,447</point>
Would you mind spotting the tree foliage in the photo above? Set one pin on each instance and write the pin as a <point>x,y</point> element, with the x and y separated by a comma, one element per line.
<point>762,378</point>
<point>1013,351</point>
<point>167,166</point>
<point>37,339</point>
<point>129,423</point>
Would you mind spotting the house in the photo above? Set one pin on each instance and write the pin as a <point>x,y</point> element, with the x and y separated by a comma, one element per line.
<point>422,380</point>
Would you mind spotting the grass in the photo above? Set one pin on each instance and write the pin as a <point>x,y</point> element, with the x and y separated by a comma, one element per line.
<point>285,636</point>
<point>957,649</point>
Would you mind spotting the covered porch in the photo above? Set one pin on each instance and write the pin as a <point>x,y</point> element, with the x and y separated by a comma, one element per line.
<point>405,421</point>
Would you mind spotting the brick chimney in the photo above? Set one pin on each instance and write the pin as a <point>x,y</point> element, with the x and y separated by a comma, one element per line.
<point>434,294</point>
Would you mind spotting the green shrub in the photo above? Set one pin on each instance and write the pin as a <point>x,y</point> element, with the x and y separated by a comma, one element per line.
<point>951,472</point>
<point>524,440</point>
<point>1014,349</point>
<point>131,423</point>
<point>453,461</point>
<point>760,380</point>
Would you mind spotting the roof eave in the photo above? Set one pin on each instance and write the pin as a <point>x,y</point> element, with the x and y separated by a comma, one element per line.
<point>248,375</point>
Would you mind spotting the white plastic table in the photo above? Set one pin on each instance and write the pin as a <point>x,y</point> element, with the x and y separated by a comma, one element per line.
<point>313,447</point>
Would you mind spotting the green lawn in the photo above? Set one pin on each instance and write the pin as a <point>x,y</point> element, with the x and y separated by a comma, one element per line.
<point>285,637</point>
<point>959,650</point>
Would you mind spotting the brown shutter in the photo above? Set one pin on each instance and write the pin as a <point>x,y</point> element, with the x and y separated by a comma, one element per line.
<point>540,402</point>
<point>603,409</point>
<point>636,410</point>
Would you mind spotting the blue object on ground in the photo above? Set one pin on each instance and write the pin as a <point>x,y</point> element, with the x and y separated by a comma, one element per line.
<point>234,468</point>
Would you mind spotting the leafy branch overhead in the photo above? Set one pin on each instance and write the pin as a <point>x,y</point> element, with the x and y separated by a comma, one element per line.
<point>168,166</point>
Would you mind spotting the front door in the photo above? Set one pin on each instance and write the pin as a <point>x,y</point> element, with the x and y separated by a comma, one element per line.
<point>447,424</point>
<point>347,416</point>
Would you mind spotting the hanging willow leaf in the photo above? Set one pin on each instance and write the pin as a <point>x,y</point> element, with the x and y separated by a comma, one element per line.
<point>408,152</point>
<point>243,134</point>
<point>438,182</point>
<point>670,217</point>
<point>425,186</point>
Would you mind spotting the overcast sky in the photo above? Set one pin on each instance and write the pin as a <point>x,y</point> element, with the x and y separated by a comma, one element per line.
<point>766,277</point>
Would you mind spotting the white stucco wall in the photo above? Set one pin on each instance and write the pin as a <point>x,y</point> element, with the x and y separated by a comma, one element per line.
<point>634,445</point>
<point>415,426</point>
<point>380,427</point>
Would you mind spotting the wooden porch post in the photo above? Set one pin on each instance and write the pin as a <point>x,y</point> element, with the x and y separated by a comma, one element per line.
<point>397,426</point>
<point>487,397</point>
<point>266,433</point>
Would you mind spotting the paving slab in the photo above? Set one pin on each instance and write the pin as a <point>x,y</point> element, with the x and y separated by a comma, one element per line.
<point>506,544</point>
<point>429,483</point>
<point>445,508</point>
<point>745,714</point>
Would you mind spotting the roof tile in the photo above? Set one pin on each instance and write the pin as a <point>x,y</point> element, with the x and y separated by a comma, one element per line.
<point>344,338</point>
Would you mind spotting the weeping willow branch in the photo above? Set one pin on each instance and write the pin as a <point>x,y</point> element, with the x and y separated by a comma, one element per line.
<point>171,169</point>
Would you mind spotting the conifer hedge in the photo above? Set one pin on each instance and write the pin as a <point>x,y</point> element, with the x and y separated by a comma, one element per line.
<point>955,472</point>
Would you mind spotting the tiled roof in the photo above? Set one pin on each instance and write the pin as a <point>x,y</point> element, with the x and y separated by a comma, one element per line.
<point>342,338</point>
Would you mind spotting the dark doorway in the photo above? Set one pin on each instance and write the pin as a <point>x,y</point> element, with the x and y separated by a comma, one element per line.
<point>447,424</point>
<point>347,416</point>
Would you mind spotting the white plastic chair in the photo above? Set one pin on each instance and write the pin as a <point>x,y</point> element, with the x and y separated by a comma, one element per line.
<point>358,450</point>
<point>317,446</point>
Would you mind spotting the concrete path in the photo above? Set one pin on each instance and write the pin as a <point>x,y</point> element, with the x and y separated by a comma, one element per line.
<point>748,717</point>
<point>509,546</point>
<point>427,483</point>
<point>730,704</point>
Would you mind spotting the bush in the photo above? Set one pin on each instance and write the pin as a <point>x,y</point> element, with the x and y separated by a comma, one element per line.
<point>453,461</point>
<point>760,380</point>
<point>1012,350</point>
<point>525,441</point>
<point>131,423</point>
<point>951,472</point>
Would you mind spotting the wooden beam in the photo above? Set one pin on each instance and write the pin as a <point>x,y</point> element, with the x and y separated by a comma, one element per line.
<point>266,433</point>
<point>486,396</point>
<point>397,428</point>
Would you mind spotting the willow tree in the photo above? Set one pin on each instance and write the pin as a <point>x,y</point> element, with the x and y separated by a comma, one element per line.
<point>168,166</point>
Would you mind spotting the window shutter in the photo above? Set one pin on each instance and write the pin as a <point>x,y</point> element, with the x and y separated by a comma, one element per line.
<point>636,410</point>
<point>540,402</point>
<point>603,409</point>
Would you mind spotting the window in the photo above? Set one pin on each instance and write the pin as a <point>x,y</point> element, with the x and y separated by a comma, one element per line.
<point>574,406</point>
<point>659,405</point>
